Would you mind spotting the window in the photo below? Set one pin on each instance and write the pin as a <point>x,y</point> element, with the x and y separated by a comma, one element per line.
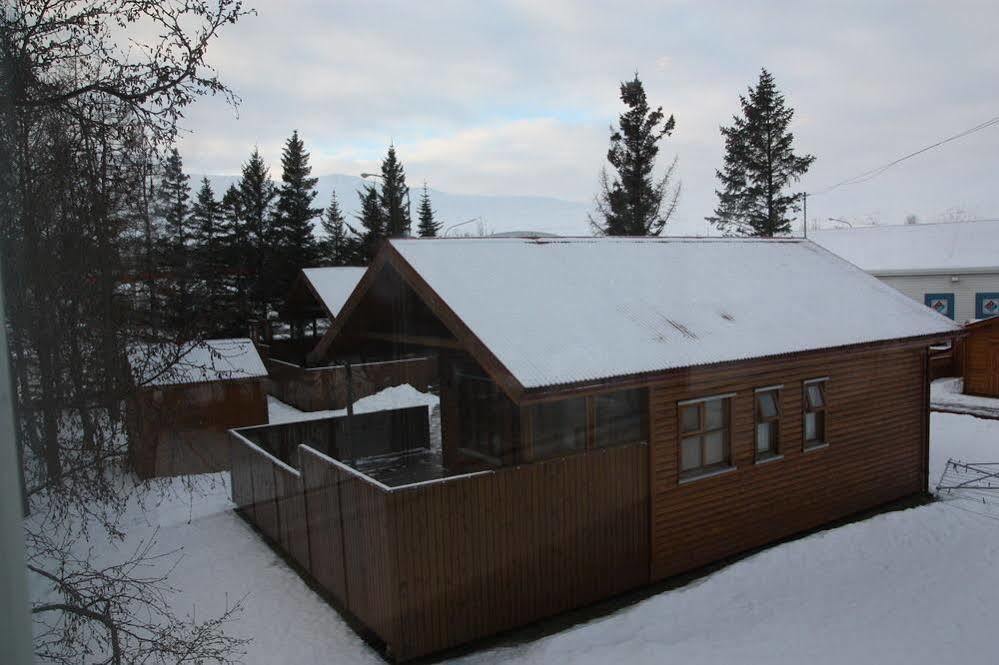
<point>558,428</point>
<point>620,418</point>
<point>986,305</point>
<point>485,416</point>
<point>704,435</point>
<point>815,413</point>
<point>941,302</point>
<point>767,422</point>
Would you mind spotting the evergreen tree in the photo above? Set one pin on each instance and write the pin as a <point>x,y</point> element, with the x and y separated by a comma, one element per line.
<point>428,227</point>
<point>208,260</point>
<point>256,197</point>
<point>632,203</point>
<point>372,220</point>
<point>339,245</point>
<point>294,242</point>
<point>759,166</point>
<point>172,207</point>
<point>237,256</point>
<point>394,197</point>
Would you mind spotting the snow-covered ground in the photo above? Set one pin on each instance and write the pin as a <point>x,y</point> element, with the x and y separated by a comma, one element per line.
<point>913,586</point>
<point>947,395</point>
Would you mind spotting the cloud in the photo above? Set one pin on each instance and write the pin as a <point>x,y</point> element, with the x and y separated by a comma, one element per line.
<point>517,97</point>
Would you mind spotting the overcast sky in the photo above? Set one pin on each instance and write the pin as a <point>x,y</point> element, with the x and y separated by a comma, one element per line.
<point>517,97</point>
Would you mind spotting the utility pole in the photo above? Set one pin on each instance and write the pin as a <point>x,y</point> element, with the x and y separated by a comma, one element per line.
<point>804,210</point>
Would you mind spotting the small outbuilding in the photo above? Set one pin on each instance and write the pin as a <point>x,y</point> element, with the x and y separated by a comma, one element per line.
<point>981,358</point>
<point>187,396</point>
<point>312,304</point>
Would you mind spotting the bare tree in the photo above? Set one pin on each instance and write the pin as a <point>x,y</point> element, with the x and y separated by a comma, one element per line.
<point>87,104</point>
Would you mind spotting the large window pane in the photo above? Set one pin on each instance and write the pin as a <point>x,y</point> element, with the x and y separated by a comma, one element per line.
<point>690,456</point>
<point>815,399</point>
<point>558,427</point>
<point>714,413</point>
<point>766,404</point>
<point>620,417</point>
<point>714,448</point>
<point>690,417</point>
<point>764,438</point>
<point>810,426</point>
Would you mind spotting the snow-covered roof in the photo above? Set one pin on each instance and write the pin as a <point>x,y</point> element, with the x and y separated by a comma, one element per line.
<point>573,310</point>
<point>916,248</point>
<point>333,285</point>
<point>195,362</point>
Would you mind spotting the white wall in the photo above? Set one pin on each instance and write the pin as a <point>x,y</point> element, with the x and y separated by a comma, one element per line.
<point>964,290</point>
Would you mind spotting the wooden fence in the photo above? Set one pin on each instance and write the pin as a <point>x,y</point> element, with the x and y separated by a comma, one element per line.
<point>436,564</point>
<point>320,388</point>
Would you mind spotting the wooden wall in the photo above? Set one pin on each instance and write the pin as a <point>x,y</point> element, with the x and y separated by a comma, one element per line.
<point>373,433</point>
<point>182,429</point>
<point>876,431</point>
<point>438,564</point>
<point>981,372</point>
<point>485,553</point>
<point>321,388</point>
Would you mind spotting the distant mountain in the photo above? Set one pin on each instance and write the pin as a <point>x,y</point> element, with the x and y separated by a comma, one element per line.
<point>498,214</point>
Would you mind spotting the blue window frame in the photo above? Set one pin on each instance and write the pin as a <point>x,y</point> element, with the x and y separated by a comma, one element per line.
<point>986,305</point>
<point>941,302</point>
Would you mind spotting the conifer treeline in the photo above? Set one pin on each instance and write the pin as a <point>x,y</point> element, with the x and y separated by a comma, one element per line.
<point>224,261</point>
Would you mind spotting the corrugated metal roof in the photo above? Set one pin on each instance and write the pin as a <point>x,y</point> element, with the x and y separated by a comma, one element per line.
<point>333,285</point>
<point>195,362</point>
<point>572,310</point>
<point>916,248</point>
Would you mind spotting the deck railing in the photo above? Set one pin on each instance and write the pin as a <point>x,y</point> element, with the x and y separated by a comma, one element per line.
<point>434,564</point>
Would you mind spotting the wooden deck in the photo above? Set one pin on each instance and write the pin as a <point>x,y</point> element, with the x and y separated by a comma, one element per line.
<point>428,565</point>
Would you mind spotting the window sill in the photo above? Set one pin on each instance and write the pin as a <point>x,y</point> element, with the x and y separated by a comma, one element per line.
<point>815,446</point>
<point>769,458</point>
<point>705,474</point>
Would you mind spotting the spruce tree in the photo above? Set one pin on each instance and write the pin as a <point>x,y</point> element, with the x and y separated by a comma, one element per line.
<point>428,226</point>
<point>294,242</point>
<point>632,202</point>
<point>208,263</point>
<point>394,197</point>
<point>338,246</point>
<point>172,206</point>
<point>238,257</point>
<point>256,197</point>
<point>759,166</point>
<point>372,220</point>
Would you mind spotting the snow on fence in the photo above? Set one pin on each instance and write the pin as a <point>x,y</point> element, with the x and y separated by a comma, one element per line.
<point>430,565</point>
<point>325,388</point>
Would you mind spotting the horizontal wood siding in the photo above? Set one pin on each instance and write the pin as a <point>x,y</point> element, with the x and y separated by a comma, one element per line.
<point>482,554</point>
<point>875,427</point>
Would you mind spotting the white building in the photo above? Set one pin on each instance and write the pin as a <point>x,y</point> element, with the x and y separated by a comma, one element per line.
<point>953,267</point>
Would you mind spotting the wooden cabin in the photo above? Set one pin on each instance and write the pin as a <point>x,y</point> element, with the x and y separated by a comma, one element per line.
<point>614,412</point>
<point>313,302</point>
<point>981,358</point>
<point>187,397</point>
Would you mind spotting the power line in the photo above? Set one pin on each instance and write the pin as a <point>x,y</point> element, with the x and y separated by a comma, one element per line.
<point>873,173</point>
